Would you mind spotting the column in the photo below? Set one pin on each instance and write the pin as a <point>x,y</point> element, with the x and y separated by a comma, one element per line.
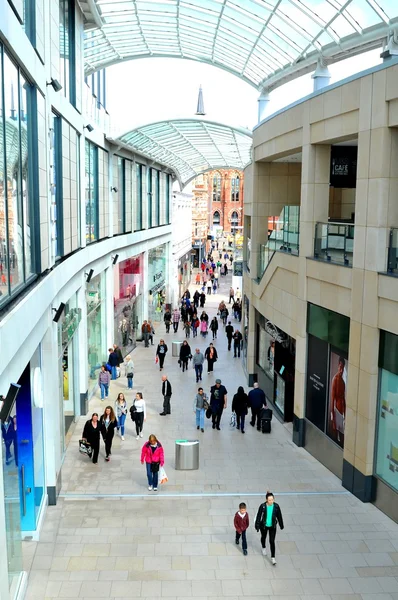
<point>263,105</point>
<point>321,76</point>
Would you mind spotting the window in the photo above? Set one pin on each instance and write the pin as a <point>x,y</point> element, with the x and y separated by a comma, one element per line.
<point>157,197</point>
<point>138,207</point>
<point>167,199</point>
<point>67,48</point>
<point>56,187</point>
<point>234,219</point>
<point>91,170</point>
<point>216,188</point>
<point>149,195</point>
<point>121,192</point>
<point>216,218</point>
<point>235,183</point>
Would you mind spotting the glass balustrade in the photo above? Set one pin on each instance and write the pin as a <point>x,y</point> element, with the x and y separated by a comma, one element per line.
<point>334,243</point>
<point>283,238</point>
<point>392,266</point>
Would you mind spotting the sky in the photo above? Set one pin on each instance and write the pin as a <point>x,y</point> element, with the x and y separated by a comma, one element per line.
<point>154,89</point>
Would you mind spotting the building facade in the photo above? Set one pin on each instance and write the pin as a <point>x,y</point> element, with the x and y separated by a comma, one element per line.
<point>320,285</point>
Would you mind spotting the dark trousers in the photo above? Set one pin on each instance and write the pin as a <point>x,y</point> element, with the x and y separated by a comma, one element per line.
<point>240,422</point>
<point>167,323</point>
<point>216,418</point>
<point>166,405</point>
<point>244,540</point>
<point>95,446</point>
<point>8,450</point>
<point>161,360</point>
<point>175,326</point>
<point>108,444</point>
<point>198,371</point>
<point>210,364</point>
<point>184,364</point>
<point>139,422</point>
<point>237,349</point>
<point>256,416</point>
<point>229,343</point>
<point>272,534</point>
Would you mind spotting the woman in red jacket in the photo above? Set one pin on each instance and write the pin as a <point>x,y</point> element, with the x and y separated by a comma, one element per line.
<point>152,454</point>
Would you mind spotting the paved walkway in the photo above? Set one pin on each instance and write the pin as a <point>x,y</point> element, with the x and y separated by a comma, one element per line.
<point>109,537</point>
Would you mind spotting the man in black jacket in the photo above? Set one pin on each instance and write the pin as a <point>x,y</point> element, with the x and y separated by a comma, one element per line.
<point>237,342</point>
<point>229,331</point>
<point>257,401</point>
<point>218,401</point>
<point>166,391</point>
<point>268,515</point>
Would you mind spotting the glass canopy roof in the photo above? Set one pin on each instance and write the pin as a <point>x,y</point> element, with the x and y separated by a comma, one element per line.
<point>264,42</point>
<point>191,146</point>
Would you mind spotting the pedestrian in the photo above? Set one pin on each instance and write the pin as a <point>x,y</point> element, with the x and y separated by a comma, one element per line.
<point>146,331</point>
<point>196,297</point>
<point>166,391</point>
<point>129,371</point>
<point>257,401</point>
<point>153,455</point>
<point>238,294</point>
<point>235,308</point>
<point>197,278</point>
<point>218,401</point>
<point>121,413</point>
<point>268,516</point>
<point>211,357</point>
<point>202,299</point>
<point>113,361</point>
<point>91,434</point>
<point>152,332</point>
<point>167,320</point>
<point>198,360</point>
<point>224,315</point>
<point>176,319</point>
<point>237,337</point>
<point>203,328</point>
<point>200,405</point>
<point>185,355</point>
<point>138,414</point>
<point>231,294</point>
<point>108,424</point>
<point>214,327</point>
<point>214,287</point>
<point>239,407</point>
<point>229,332</point>
<point>9,436</point>
<point>204,316</point>
<point>161,352</point>
<point>119,354</point>
<point>225,269</point>
<point>195,325</point>
<point>216,276</point>
<point>241,524</point>
<point>239,311</point>
<point>187,328</point>
<point>209,287</point>
<point>104,379</point>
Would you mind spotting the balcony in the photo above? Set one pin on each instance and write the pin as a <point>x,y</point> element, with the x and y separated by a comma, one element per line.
<point>284,237</point>
<point>392,264</point>
<point>334,243</point>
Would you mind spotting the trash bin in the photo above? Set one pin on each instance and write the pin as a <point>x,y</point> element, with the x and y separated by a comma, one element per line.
<point>175,348</point>
<point>187,455</point>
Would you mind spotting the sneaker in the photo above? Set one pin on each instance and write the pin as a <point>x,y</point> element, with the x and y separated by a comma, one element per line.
<point>202,430</point>
<point>244,552</point>
<point>213,426</point>
<point>141,434</point>
<point>123,438</point>
<point>137,437</point>
<point>150,488</point>
<point>236,542</point>
<point>273,561</point>
<point>197,427</point>
<point>107,459</point>
<point>264,552</point>
<point>156,489</point>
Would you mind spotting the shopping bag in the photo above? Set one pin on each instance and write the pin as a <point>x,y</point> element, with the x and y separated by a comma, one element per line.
<point>156,359</point>
<point>85,448</point>
<point>163,476</point>
<point>233,420</point>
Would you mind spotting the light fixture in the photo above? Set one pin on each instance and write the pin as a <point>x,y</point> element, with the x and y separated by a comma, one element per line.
<point>55,84</point>
<point>89,127</point>
<point>114,259</point>
<point>58,312</point>
<point>114,189</point>
<point>89,275</point>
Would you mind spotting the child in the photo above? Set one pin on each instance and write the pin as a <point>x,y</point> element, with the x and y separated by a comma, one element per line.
<point>187,328</point>
<point>241,523</point>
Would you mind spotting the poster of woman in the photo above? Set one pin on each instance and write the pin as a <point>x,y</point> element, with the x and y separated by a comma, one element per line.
<point>337,397</point>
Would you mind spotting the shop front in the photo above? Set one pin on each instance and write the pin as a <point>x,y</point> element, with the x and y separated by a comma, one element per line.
<point>327,372</point>
<point>96,329</point>
<point>184,274</point>
<point>275,357</point>
<point>157,264</point>
<point>128,302</point>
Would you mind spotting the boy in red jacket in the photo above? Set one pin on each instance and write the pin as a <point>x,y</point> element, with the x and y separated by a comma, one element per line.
<point>241,523</point>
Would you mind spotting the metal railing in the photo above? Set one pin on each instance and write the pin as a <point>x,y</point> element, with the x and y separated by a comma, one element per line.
<point>284,238</point>
<point>334,243</point>
<point>392,261</point>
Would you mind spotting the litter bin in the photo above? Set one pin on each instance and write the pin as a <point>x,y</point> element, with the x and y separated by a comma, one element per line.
<point>175,348</point>
<point>187,455</point>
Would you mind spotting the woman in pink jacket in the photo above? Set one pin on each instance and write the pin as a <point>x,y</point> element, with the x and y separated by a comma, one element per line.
<point>152,454</point>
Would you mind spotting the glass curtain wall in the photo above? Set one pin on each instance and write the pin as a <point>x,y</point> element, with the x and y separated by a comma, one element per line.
<point>168,188</point>
<point>156,280</point>
<point>137,210</point>
<point>92,200</point>
<point>121,210</point>
<point>149,189</point>
<point>67,49</point>
<point>128,305</point>
<point>96,329</point>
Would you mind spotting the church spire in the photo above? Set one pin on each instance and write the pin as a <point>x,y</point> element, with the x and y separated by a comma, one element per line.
<point>200,109</point>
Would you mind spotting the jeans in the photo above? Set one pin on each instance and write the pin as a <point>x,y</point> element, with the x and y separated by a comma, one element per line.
<point>175,326</point>
<point>146,339</point>
<point>166,404</point>
<point>152,477</point>
<point>244,540</point>
<point>121,421</point>
<point>200,418</point>
<point>240,422</point>
<point>198,371</point>
<point>104,390</point>
<point>272,534</point>
<point>130,383</point>
<point>114,373</point>
<point>237,349</point>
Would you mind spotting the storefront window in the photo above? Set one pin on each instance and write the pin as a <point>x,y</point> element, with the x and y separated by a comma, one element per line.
<point>157,281</point>
<point>184,274</point>
<point>128,304</point>
<point>96,329</point>
<point>266,352</point>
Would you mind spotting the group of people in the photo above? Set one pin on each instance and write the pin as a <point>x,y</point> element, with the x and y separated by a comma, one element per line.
<point>112,370</point>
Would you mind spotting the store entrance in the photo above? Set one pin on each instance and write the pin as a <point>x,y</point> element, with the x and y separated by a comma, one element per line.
<point>69,379</point>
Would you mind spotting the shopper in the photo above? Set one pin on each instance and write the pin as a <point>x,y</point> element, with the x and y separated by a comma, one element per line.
<point>113,361</point>
<point>91,433</point>
<point>224,312</point>
<point>237,337</point>
<point>138,414</point>
<point>197,278</point>
<point>209,286</point>
<point>203,328</point>
<point>268,516</point>
<point>231,295</point>
<point>153,455</point>
<point>108,424</point>
<point>218,401</point>
<point>197,361</point>
<point>214,326</point>
<point>239,407</point>
<point>152,332</point>
<point>185,355</point>
<point>187,328</point>
<point>257,401</point>
<point>195,325</point>
<point>146,330</point>
<point>196,295</point>
<point>211,357</point>
<point>129,371</point>
<point>104,380</point>
<point>204,317</point>
<point>229,332</point>
<point>241,524</point>
<point>161,352</point>
<point>166,391</point>
<point>119,354</point>
<point>121,413</point>
<point>202,299</point>
<point>176,319</point>
<point>167,320</point>
<point>200,405</point>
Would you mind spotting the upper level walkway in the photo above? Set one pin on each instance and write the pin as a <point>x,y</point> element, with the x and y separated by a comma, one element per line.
<point>109,537</point>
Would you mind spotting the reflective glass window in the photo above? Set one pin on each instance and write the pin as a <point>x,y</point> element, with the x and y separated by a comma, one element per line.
<point>91,172</point>
<point>67,48</point>
<point>121,195</point>
<point>56,187</point>
<point>4,273</point>
<point>216,218</point>
<point>149,188</point>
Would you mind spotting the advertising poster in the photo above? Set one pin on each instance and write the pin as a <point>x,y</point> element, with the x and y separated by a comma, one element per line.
<point>337,397</point>
<point>316,381</point>
<point>387,436</point>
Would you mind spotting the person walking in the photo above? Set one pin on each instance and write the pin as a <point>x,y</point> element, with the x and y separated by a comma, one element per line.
<point>161,352</point>
<point>214,326</point>
<point>229,332</point>
<point>195,325</point>
<point>129,371</point>
<point>200,405</point>
<point>211,357</point>
<point>216,276</point>
<point>146,331</point>
<point>185,355</point>
<point>218,401</point>
<point>203,328</point>
<point>204,316</point>
<point>202,299</point>
<point>121,413</point>
<point>241,524</point>
<point>237,337</point>
<point>152,454</point>
<point>225,269</point>
<point>166,391</point>
<point>187,328</point>
<point>198,360</point>
<point>138,414</point>
<point>196,297</point>
<point>257,401</point>
<point>104,379</point>
<point>91,433</point>
<point>224,312</point>
<point>197,278</point>
<point>209,286</point>
<point>239,407</point>
<point>176,319</point>
<point>231,295</point>
<point>268,516</point>
<point>167,320</point>
<point>152,332</point>
<point>113,361</point>
<point>108,424</point>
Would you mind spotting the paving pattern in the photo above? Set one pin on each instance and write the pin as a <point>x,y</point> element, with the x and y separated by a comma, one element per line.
<point>109,537</point>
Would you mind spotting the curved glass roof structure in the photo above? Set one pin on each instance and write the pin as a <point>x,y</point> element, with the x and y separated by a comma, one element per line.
<point>191,146</point>
<point>264,42</point>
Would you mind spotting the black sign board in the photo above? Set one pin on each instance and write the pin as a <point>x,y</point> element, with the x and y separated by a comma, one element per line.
<point>317,369</point>
<point>343,166</point>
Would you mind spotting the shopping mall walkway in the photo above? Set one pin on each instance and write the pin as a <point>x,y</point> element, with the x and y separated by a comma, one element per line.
<point>109,537</point>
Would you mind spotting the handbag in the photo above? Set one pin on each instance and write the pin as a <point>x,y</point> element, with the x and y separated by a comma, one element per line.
<point>155,467</point>
<point>130,375</point>
<point>133,411</point>
<point>156,359</point>
<point>85,448</point>
<point>209,412</point>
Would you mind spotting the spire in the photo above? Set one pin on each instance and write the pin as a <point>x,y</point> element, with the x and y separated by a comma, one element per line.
<point>200,109</point>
